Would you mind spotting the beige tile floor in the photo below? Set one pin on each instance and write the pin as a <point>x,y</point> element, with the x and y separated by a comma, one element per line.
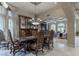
<point>61,49</point>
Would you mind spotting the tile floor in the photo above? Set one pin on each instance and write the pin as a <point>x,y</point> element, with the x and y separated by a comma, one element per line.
<point>60,49</point>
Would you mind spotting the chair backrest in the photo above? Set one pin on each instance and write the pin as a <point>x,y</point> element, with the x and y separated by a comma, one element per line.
<point>40,39</point>
<point>51,34</point>
<point>34,33</point>
<point>2,37</point>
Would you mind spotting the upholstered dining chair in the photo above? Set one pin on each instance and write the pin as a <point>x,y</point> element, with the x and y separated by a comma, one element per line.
<point>38,45</point>
<point>15,46</point>
<point>49,39</point>
<point>52,36</point>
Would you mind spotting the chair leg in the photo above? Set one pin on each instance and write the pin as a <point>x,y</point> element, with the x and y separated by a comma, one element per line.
<point>25,50</point>
<point>42,50</point>
<point>28,47</point>
<point>49,45</point>
<point>13,52</point>
<point>36,52</point>
<point>8,46</point>
<point>10,51</point>
<point>52,43</point>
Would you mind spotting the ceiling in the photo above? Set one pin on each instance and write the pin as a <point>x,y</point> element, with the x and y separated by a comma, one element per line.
<point>32,8</point>
<point>76,6</point>
<point>41,8</point>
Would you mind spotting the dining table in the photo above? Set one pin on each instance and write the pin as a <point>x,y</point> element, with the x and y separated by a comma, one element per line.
<point>28,38</point>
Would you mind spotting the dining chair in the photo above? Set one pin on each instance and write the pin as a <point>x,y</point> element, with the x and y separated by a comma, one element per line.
<point>51,36</point>
<point>38,45</point>
<point>15,46</point>
<point>34,32</point>
<point>49,39</point>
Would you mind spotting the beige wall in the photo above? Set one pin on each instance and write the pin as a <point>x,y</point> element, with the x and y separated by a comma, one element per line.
<point>77,25</point>
<point>58,12</point>
<point>16,19</point>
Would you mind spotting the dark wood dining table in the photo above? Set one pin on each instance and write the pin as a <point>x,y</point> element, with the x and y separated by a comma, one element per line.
<point>27,38</point>
<point>30,38</point>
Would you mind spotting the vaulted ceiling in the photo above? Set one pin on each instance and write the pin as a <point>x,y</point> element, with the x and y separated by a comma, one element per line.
<point>33,8</point>
<point>42,8</point>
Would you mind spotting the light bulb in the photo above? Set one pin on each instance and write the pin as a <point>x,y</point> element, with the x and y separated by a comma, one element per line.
<point>35,23</point>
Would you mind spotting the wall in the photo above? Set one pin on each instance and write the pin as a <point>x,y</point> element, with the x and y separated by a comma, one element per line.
<point>77,25</point>
<point>16,19</point>
<point>57,12</point>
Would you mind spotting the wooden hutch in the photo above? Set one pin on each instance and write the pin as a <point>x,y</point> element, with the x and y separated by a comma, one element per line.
<point>25,26</point>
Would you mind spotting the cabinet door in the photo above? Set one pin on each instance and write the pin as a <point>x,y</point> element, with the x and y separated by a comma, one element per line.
<point>23,33</point>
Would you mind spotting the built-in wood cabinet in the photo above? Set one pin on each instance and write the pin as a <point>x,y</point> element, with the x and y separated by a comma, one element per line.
<point>25,28</point>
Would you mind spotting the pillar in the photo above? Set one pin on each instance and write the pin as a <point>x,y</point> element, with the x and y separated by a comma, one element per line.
<point>69,13</point>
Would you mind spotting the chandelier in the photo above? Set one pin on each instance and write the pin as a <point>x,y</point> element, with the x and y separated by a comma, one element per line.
<point>35,20</point>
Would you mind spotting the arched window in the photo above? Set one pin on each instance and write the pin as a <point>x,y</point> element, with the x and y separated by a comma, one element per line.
<point>53,27</point>
<point>2,17</point>
<point>61,27</point>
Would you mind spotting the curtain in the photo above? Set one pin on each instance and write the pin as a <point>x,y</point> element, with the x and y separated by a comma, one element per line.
<point>6,21</point>
<point>10,25</point>
<point>1,23</point>
<point>2,17</point>
<point>10,22</point>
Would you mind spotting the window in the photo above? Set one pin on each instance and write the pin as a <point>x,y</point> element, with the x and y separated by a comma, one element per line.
<point>2,17</point>
<point>10,22</point>
<point>53,27</point>
<point>9,13</point>
<point>5,23</point>
<point>61,27</point>
<point>2,10</point>
<point>1,22</point>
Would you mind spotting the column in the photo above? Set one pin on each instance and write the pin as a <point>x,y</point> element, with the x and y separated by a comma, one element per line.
<point>69,12</point>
